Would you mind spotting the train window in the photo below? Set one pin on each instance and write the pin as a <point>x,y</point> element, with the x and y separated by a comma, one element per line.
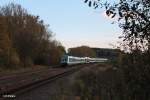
<point>73,60</point>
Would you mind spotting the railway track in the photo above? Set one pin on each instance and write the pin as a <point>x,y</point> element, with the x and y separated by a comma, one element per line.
<point>24,83</point>
<point>7,76</point>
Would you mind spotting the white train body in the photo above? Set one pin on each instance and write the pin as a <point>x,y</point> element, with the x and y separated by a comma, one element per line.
<point>70,60</point>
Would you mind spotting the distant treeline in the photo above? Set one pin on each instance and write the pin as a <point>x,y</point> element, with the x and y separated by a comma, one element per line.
<point>25,39</point>
<point>82,51</point>
<point>106,52</point>
<point>85,51</point>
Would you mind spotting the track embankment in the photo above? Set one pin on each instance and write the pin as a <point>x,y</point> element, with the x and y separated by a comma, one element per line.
<point>10,86</point>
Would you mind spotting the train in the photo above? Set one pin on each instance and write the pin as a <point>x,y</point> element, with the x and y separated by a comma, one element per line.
<point>71,60</point>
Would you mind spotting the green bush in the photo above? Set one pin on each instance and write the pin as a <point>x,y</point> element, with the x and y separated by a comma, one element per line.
<point>14,59</point>
<point>2,61</point>
<point>136,68</point>
<point>28,62</point>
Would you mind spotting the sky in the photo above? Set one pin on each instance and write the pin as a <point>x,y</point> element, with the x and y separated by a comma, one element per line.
<point>73,22</point>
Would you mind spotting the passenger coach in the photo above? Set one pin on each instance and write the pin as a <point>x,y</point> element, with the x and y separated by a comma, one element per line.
<point>70,60</point>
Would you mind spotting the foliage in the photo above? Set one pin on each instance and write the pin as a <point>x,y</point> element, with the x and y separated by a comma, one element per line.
<point>106,53</point>
<point>5,43</point>
<point>50,55</point>
<point>104,84</point>
<point>134,19</point>
<point>25,38</point>
<point>136,74</point>
<point>83,51</point>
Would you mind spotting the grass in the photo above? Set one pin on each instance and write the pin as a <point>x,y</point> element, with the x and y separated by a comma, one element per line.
<point>95,83</point>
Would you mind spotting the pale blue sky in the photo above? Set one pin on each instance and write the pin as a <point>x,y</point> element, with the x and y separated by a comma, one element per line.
<point>73,22</point>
